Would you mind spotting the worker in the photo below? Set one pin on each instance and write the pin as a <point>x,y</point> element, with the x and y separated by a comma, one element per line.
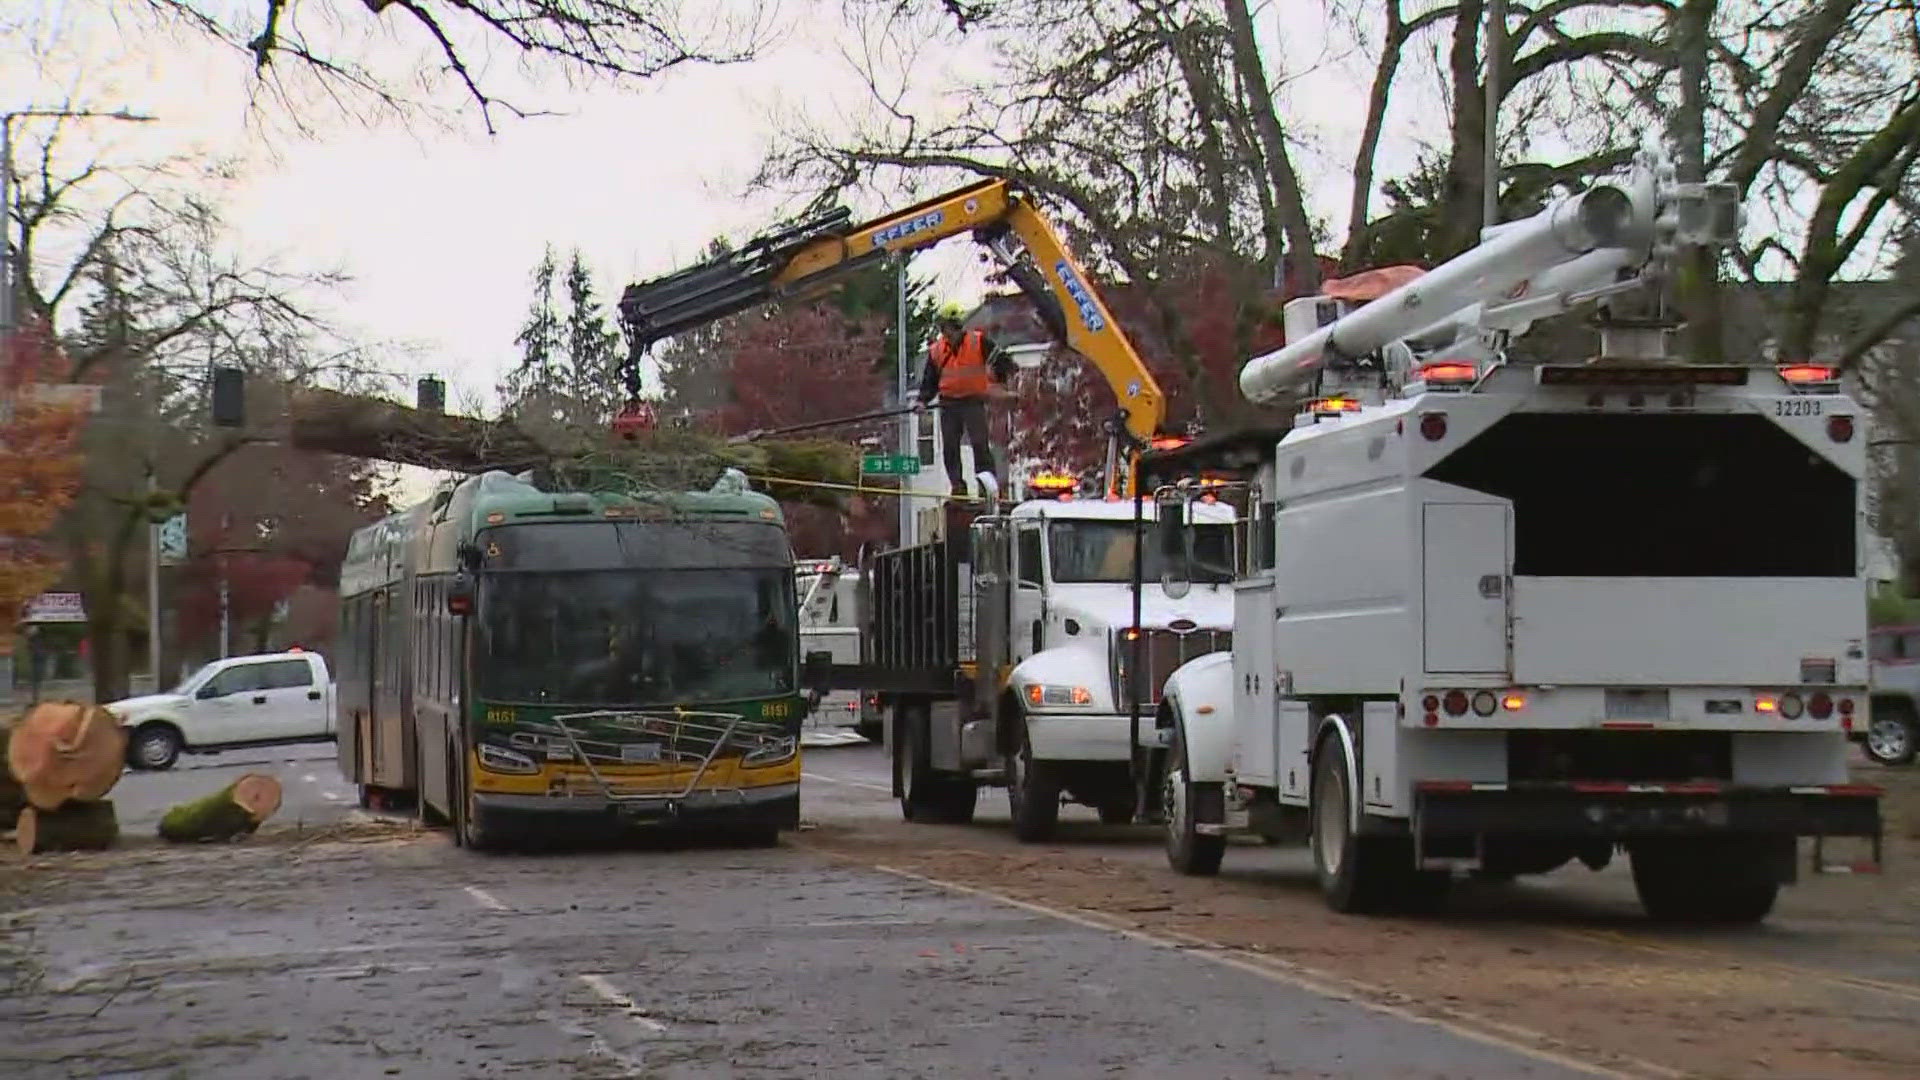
<point>962,366</point>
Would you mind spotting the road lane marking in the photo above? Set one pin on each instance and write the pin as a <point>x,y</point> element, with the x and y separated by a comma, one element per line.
<point>310,778</point>
<point>882,788</point>
<point>485,899</point>
<point>595,1044</point>
<point>1489,1032</point>
<point>607,993</point>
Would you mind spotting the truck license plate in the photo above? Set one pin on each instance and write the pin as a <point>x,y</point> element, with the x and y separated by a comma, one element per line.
<point>640,752</point>
<point>1636,705</point>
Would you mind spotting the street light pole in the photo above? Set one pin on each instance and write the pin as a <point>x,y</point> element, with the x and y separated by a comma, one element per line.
<point>8,319</point>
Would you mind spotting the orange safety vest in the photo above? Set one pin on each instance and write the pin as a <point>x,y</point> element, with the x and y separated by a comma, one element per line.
<point>963,371</point>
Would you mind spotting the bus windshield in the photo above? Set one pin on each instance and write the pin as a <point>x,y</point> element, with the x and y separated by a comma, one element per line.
<point>637,637</point>
<point>1102,551</point>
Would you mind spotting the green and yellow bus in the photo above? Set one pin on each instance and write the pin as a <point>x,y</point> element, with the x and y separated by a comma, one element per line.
<point>519,663</point>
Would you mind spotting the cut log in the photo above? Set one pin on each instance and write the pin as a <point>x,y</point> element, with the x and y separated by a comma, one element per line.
<point>234,810</point>
<point>64,750</point>
<point>77,826</point>
<point>12,799</point>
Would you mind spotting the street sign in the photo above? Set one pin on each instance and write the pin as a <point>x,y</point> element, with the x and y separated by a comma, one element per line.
<point>173,540</point>
<point>890,465</point>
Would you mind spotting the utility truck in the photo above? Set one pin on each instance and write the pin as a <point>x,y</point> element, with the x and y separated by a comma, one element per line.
<point>1005,647</point>
<point>998,637</point>
<point>1497,616</point>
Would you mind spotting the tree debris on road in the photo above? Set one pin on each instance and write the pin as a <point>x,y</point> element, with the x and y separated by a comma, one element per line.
<point>235,810</point>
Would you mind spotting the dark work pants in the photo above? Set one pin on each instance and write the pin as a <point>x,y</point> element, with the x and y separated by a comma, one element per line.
<point>970,415</point>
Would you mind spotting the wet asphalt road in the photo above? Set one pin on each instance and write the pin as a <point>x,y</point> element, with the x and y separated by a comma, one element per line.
<point>312,792</point>
<point>405,956</point>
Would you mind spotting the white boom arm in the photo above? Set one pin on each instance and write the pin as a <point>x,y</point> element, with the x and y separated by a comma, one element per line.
<point>1520,271</point>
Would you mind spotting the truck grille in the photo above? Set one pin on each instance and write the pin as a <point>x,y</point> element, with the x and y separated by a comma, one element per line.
<point>1164,650</point>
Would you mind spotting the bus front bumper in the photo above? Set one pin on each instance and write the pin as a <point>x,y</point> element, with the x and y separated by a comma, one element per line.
<point>774,804</point>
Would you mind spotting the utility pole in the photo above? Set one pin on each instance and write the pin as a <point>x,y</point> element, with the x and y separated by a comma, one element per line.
<point>153,587</point>
<point>908,422</point>
<point>1490,161</point>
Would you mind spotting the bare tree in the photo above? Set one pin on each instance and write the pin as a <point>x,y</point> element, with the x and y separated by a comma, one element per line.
<point>314,42</point>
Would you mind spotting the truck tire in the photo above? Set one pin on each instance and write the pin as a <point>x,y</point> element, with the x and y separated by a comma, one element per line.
<point>1033,791</point>
<point>1362,875</point>
<point>1189,851</point>
<point>926,796</point>
<point>1893,734</point>
<point>1723,880</point>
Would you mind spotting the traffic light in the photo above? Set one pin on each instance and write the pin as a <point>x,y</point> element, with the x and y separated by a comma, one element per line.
<point>229,397</point>
<point>430,395</point>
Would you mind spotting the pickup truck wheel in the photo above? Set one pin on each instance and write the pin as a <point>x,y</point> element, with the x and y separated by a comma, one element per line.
<point>1189,851</point>
<point>1892,735</point>
<point>154,746</point>
<point>1724,880</point>
<point>1033,792</point>
<point>926,796</point>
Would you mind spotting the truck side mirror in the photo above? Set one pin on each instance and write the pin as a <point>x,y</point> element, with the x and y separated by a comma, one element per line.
<point>816,673</point>
<point>460,594</point>
<point>1175,543</point>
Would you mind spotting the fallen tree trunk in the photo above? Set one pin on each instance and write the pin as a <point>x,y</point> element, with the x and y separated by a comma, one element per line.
<point>64,750</point>
<point>234,810</point>
<point>12,799</point>
<point>77,826</point>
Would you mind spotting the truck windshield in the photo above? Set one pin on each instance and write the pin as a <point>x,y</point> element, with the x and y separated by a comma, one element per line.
<point>1102,551</point>
<point>637,637</point>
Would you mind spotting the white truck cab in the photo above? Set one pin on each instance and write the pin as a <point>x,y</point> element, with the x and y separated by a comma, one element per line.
<point>265,699</point>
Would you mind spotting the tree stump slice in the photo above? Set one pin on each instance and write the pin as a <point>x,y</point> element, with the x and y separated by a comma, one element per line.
<point>66,751</point>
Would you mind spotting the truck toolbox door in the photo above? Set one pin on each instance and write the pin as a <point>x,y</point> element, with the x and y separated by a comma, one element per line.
<point>1464,589</point>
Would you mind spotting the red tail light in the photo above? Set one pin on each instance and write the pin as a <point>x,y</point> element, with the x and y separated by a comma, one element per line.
<point>1808,374</point>
<point>1433,426</point>
<point>1456,702</point>
<point>1821,706</point>
<point>1449,371</point>
<point>1840,429</point>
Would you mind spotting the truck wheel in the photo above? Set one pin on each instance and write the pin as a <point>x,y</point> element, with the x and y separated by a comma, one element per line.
<point>1189,851</point>
<point>926,796</point>
<point>1891,735</point>
<point>1726,880</point>
<point>1362,874</point>
<point>154,746</point>
<point>1033,792</point>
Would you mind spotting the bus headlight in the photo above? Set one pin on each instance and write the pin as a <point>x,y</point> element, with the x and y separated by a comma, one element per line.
<point>501,760</point>
<point>771,753</point>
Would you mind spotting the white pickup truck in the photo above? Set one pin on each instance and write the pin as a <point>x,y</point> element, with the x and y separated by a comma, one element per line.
<point>262,700</point>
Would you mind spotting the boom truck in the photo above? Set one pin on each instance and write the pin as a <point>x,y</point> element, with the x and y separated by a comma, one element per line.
<point>997,639</point>
<point>1499,615</point>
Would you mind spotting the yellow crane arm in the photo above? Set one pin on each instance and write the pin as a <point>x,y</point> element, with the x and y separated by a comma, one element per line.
<point>800,258</point>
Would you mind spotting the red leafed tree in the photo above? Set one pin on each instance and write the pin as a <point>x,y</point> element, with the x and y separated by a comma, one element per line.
<point>273,523</point>
<point>1062,406</point>
<point>40,463</point>
<point>795,365</point>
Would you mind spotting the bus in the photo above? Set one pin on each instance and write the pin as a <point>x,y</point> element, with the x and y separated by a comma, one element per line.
<point>519,663</point>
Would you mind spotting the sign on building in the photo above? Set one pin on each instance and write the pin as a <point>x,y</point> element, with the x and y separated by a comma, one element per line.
<point>56,607</point>
<point>173,540</point>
